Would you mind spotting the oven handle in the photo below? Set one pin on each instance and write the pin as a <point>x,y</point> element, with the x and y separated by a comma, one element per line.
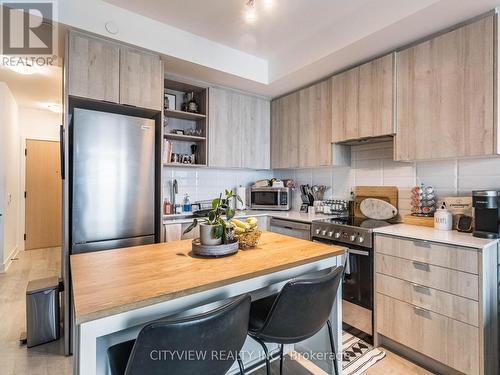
<point>358,252</point>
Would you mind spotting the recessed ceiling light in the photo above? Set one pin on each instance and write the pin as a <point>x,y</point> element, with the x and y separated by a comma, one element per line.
<point>268,4</point>
<point>250,13</point>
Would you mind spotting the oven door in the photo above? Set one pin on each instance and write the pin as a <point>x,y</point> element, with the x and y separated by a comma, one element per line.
<point>357,287</point>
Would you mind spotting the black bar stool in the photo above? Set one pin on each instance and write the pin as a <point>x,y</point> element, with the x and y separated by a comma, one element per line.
<point>296,313</point>
<point>207,343</point>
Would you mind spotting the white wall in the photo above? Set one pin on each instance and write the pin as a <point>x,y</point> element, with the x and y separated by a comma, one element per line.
<point>39,123</point>
<point>9,177</point>
<point>372,164</point>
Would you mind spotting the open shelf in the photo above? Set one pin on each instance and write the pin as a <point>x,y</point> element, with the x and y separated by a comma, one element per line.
<point>184,165</point>
<point>183,137</point>
<point>174,113</point>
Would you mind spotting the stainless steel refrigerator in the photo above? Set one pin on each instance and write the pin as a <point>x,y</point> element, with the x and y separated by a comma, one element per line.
<point>112,181</point>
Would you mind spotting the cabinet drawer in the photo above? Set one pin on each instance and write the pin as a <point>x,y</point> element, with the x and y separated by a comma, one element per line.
<point>446,340</point>
<point>458,258</point>
<point>450,305</point>
<point>456,282</point>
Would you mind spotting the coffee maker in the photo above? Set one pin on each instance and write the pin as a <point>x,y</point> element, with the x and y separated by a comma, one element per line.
<point>486,205</point>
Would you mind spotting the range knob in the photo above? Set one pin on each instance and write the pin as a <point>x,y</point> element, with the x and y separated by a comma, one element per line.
<point>337,235</point>
<point>330,234</point>
<point>323,232</point>
<point>361,239</point>
<point>318,231</point>
<point>352,237</point>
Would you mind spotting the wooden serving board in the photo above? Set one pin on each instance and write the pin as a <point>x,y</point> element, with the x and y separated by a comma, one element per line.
<point>423,221</point>
<point>386,193</point>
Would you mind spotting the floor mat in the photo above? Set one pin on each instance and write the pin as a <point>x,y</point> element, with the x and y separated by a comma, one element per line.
<point>358,356</point>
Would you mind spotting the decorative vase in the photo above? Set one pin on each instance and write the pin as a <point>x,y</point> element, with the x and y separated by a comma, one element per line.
<point>207,235</point>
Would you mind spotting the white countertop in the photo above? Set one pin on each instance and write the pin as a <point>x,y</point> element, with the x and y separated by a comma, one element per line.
<point>451,237</point>
<point>289,215</point>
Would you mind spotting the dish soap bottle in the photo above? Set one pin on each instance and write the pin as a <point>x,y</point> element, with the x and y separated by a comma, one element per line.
<point>186,204</point>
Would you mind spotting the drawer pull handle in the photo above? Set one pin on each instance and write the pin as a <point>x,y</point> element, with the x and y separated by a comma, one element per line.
<point>421,289</point>
<point>422,243</point>
<point>422,312</point>
<point>421,266</point>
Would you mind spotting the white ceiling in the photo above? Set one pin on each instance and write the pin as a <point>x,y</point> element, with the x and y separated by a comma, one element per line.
<point>301,40</point>
<point>34,90</point>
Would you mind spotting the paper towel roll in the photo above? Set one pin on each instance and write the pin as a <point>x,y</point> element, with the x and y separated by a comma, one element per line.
<point>242,192</point>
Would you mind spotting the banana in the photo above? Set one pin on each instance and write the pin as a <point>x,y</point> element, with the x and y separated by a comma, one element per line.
<point>239,230</point>
<point>252,221</point>
<point>240,224</point>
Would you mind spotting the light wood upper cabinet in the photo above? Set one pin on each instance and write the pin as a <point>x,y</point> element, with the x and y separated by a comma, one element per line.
<point>285,131</point>
<point>363,101</point>
<point>345,105</point>
<point>315,118</point>
<point>102,70</point>
<point>93,68</point>
<point>256,133</point>
<point>239,130</point>
<point>376,98</point>
<point>445,95</point>
<point>141,79</point>
<point>301,127</point>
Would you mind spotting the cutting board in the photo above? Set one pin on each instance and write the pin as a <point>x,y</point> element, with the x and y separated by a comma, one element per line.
<point>386,193</point>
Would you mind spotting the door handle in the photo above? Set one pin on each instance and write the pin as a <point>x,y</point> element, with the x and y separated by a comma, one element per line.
<point>421,266</point>
<point>358,252</point>
<point>61,152</point>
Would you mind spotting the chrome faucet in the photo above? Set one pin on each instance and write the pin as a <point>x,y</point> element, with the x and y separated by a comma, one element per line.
<point>175,190</point>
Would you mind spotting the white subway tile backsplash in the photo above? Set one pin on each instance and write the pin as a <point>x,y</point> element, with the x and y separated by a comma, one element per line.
<point>372,164</point>
<point>479,167</point>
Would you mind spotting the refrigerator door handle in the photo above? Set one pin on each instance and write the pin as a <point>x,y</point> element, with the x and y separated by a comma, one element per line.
<point>61,151</point>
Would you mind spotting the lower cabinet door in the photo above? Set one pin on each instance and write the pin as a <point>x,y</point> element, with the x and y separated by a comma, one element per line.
<point>446,340</point>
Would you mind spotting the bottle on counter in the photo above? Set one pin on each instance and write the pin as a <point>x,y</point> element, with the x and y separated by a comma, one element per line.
<point>350,204</point>
<point>167,207</point>
<point>186,206</point>
<point>178,209</point>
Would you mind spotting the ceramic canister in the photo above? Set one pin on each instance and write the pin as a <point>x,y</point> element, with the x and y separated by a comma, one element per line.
<point>443,219</point>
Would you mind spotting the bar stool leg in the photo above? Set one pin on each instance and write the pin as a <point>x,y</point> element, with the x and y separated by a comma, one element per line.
<point>240,364</point>
<point>332,343</point>
<point>281,359</point>
<point>268,363</point>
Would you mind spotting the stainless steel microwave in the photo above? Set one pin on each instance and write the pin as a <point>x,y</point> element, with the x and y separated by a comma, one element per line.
<point>270,198</point>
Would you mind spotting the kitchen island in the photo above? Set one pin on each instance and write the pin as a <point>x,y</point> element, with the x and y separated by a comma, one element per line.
<point>118,291</point>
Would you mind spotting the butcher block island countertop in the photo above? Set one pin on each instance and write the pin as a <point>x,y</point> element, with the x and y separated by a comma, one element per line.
<point>114,281</point>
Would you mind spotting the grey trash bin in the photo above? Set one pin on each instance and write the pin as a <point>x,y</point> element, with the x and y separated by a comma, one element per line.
<point>42,311</point>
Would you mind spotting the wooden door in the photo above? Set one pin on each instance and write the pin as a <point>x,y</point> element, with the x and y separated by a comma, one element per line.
<point>345,103</point>
<point>376,92</point>
<point>315,125</point>
<point>445,95</point>
<point>93,68</point>
<point>285,131</point>
<point>141,79</point>
<point>43,195</point>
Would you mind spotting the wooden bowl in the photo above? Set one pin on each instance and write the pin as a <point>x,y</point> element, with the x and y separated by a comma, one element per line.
<point>250,239</point>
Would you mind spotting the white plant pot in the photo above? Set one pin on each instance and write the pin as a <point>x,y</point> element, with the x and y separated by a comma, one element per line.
<point>207,235</point>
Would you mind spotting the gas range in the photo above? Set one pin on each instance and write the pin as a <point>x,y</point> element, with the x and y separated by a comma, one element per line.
<point>348,230</point>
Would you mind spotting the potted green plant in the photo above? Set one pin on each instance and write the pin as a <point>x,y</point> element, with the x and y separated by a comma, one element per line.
<point>213,228</point>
